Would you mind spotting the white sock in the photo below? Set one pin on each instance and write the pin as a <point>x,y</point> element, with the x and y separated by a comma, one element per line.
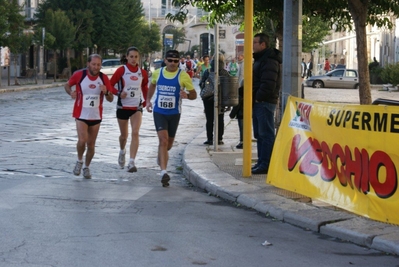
<point>131,160</point>
<point>163,172</point>
<point>123,151</point>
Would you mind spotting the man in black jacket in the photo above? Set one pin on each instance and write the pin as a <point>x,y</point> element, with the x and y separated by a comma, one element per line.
<point>265,93</point>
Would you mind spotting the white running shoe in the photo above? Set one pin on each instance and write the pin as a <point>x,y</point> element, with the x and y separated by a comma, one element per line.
<point>121,158</point>
<point>131,167</point>
<point>86,173</point>
<point>78,168</point>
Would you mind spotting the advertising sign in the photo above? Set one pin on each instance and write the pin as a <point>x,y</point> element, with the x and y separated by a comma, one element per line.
<point>168,39</point>
<point>345,155</point>
<point>4,56</point>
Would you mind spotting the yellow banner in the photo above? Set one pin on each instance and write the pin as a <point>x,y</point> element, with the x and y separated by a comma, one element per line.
<point>345,155</point>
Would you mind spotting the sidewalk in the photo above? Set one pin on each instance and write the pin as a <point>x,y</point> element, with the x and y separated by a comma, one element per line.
<point>28,84</point>
<point>220,174</point>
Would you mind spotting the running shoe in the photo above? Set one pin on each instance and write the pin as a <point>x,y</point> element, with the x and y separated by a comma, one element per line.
<point>121,158</point>
<point>78,168</point>
<point>131,167</point>
<point>165,180</point>
<point>86,173</point>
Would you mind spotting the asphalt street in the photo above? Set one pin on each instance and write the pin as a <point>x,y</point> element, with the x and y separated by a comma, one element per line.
<point>53,218</point>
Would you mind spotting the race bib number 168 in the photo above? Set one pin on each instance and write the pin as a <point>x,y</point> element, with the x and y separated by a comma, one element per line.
<point>167,102</point>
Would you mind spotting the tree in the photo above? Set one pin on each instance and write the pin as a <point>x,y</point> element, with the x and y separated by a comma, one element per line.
<point>314,30</point>
<point>340,14</point>
<point>108,24</point>
<point>59,26</point>
<point>151,41</point>
<point>14,36</point>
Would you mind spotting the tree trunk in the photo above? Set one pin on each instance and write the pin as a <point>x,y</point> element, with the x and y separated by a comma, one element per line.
<point>16,82</point>
<point>55,65</point>
<point>358,10</point>
<point>68,58</point>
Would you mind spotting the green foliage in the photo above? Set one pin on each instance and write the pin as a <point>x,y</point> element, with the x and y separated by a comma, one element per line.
<point>334,12</point>
<point>108,24</point>
<point>390,74</point>
<point>314,30</point>
<point>150,39</point>
<point>13,33</point>
<point>60,27</point>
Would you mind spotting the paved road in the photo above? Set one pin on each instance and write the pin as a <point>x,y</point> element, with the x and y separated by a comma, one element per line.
<point>51,218</point>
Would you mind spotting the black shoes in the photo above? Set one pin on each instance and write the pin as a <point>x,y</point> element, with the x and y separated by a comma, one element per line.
<point>165,180</point>
<point>209,143</point>
<point>239,146</point>
<point>259,171</point>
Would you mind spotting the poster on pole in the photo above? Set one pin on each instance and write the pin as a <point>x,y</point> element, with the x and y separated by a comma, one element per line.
<point>168,40</point>
<point>4,56</point>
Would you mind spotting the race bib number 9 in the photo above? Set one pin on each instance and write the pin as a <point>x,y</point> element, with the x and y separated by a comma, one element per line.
<point>167,102</point>
<point>91,101</point>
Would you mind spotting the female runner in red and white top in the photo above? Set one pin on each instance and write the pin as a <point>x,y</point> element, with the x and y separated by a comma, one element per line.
<point>91,86</point>
<point>132,89</point>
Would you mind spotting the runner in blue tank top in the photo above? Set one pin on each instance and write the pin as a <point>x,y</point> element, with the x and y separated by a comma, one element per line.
<point>172,85</point>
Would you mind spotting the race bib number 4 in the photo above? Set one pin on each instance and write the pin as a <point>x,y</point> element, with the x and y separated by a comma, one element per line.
<point>91,101</point>
<point>167,102</point>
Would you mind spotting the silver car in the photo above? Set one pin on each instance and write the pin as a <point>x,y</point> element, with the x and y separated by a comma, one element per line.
<point>109,66</point>
<point>338,78</point>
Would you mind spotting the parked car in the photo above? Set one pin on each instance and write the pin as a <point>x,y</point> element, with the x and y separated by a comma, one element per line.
<point>109,66</point>
<point>337,66</point>
<point>338,78</point>
<point>157,63</point>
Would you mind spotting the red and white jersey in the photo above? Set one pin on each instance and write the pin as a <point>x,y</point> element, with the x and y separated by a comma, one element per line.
<point>89,98</point>
<point>134,81</point>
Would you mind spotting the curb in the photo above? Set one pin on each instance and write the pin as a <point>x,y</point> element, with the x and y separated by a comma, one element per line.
<point>19,88</point>
<point>200,170</point>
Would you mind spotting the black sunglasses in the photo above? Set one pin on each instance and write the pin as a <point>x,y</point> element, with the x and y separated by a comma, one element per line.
<point>173,60</point>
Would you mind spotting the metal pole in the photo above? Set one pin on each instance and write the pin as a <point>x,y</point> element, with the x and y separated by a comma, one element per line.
<point>292,50</point>
<point>247,118</point>
<point>43,34</point>
<point>1,67</point>
<point>149,14</point>
<point>216,102</point>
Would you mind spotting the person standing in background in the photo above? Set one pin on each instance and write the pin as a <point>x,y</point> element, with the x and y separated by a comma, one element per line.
<point>327,66</point>
<point>132,89</point>
<point>209,104</point>
<point>238,111</point>
<point>303,68</point>
<point>198,69</point>
<point>266,86</point>
<point>309,68</point>
<point>232,67</point>
<point>204,66</point>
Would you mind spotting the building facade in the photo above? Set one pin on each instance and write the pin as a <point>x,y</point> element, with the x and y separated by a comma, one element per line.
<point>340,48</point>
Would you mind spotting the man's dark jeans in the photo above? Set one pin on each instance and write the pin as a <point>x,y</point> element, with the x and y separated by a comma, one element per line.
<point>264,132</point>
